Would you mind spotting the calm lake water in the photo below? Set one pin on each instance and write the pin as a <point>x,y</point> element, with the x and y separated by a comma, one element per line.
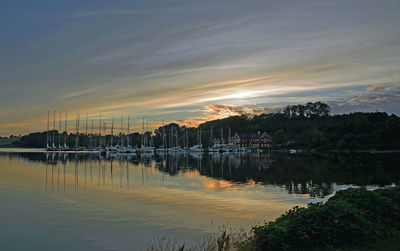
<point>81,201</point>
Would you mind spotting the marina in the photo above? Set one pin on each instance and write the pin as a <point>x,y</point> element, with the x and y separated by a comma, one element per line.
<point>104,140</point>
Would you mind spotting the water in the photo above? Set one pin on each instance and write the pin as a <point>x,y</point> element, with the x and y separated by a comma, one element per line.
<point>81,201</point>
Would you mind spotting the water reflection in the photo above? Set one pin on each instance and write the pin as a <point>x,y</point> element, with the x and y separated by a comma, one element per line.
<point>313,175</point>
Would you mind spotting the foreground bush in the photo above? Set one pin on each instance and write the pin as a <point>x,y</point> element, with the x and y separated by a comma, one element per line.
<point>351,218</point>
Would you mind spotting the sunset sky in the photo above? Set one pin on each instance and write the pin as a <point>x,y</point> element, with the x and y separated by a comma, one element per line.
<point>191,61</point>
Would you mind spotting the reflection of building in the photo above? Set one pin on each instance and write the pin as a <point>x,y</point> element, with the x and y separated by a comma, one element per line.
<point>253,140</point>
<point>256,160</point>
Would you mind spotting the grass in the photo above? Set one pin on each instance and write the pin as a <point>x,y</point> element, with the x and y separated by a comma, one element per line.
<point>228,239</point>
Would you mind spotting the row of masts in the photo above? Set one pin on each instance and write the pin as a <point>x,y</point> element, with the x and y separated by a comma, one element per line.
<point>99,140</point>
<point>95,138</point>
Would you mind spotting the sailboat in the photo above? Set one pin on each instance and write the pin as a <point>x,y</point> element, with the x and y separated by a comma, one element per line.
<point>87,146</point>
<point>145,148</point>
<point>76,148</point>
<point>112,148</point>
<point>65,147</point>
<point>59,134</point>
<point>129,148</point>
<point>174,147</point>
<point>121,148</point>
<point>221,145</point>
<point>212,148</point>
<point>231,147</point>
<point>199,147</point>
<point>53,146</point>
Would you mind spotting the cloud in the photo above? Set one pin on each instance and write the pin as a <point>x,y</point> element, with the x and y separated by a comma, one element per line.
<point>220,111</point>
<point>223,111</point>
<point>384,100</point>
<point>376,88</point>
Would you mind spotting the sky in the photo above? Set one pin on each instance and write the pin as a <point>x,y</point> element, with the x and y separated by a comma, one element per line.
<point>192,61</point>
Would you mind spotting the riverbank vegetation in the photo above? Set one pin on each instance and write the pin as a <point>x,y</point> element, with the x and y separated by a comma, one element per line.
<point>308,127</point>
<point>352,219</point>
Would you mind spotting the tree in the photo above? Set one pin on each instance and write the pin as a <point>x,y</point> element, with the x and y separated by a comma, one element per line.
<point>279,136</point>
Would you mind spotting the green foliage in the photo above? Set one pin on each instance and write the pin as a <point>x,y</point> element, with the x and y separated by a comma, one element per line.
<point>351,218</point>
<point>279,136</point>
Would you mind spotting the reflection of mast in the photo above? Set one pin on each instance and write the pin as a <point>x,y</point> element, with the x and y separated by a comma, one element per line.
<point>64,174</point>
<point>85,174</point>
<point>76,173</point>
<point>222,166</point>
<point>120,175</point>
<point>212,166</point>
<point>127,174</point>
<point>46,172</point>
<point>91,172</point>
<point>58,173</point>
<point>111,173</point>
<point>98,177</point>
<point>52,175</point>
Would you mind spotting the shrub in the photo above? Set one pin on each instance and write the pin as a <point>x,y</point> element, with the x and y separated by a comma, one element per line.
<point>351,218</point>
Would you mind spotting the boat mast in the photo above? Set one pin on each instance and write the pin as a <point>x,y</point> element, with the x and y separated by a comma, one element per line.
<point>112,130</point>
<point>147,143</point>
<point>47,134</point>
<point>86,130</point>
<point>59,132</point>
<point>142,143</point>
<point>77,128</point>
<point>100,139</point>
<point>66,133</point>
<point>127,136</point>
<point>105,136</point>
<point>122,132</point>
<point>54,128</point>
<point>91,136</point>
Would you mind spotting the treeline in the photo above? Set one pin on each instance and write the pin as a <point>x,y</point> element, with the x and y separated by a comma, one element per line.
<point>307,126</point>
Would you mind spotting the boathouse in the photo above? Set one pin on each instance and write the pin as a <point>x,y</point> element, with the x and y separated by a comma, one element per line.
<point>252,140</point>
